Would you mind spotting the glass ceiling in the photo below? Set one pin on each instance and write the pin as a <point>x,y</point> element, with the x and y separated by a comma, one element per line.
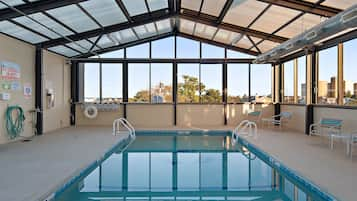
<point>96,25</point>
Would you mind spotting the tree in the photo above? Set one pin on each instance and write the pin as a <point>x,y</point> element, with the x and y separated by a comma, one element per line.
<point>142,96</point>
<point>211,96</point>
<point>189,89</point>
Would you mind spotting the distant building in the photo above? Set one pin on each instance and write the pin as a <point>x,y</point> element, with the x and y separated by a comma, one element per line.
<point>303,90</point>
<point>323,89</point>
<point>332,88</point>
<point>348,87</point>
<point>355,89</point>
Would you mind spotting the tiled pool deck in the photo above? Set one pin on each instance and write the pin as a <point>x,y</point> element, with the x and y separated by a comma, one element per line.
<point>30,170</point>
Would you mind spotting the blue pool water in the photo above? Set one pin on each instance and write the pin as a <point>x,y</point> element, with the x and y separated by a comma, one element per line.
<point>188,166</point>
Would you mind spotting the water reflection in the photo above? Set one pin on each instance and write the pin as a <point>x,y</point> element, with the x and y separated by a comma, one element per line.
<point>183,168</point>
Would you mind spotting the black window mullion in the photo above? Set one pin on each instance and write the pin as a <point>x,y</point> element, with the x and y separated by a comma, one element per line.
<point>100,83</point>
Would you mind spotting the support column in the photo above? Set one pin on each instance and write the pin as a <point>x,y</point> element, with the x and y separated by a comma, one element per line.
<point>74,91</point>
<point>296,71</point>
<point>125,88</point>
<point>279,74</point>
<point>340,82</point>
<point>311,88</point>
<point>39,89</point>
<point>174,91</point>
<point>224,90</point>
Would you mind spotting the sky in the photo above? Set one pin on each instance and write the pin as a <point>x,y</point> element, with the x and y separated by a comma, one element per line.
<point>211,74</point>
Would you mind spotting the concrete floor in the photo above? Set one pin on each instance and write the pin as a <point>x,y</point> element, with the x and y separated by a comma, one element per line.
<point>31,170</point>
<point>311,157</point>
<point>38,167</point>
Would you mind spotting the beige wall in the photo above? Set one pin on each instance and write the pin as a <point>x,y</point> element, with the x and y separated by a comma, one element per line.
<point>12,50</point>
<point>297,122</point>
<point>238,112</point>
<point>55,71</point>
<point>151,116</point>
<point>348,116</point>
<point>103,118</point>
<point>57,77</point>
<point>200,115</point>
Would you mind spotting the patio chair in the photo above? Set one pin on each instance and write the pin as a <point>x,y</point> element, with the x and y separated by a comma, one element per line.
<point>255,116</point>
<point>331,126</point>
<point>279,119</point>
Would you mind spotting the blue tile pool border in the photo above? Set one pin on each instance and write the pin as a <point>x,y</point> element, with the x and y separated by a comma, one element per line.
<point>271,161</point>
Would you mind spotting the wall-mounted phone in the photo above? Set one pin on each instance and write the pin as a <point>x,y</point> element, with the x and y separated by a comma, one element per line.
<point>50,98</point>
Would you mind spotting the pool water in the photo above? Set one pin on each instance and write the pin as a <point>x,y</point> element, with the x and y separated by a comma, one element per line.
<point>184,167</point>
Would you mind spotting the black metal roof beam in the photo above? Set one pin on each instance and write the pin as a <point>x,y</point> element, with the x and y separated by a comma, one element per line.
<point>35,7</point>
<point>231,27</point>
<point>145,19</point>
<point>124,10</point>
<point>89,15</point>
<point>224,11</point>
<point>126,45</point>
<point>305,6</point>
<point>243,50</point>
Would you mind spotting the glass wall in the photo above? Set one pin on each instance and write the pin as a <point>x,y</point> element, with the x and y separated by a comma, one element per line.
<point>150,67</point>
<point>139,82</point>
<point>238,83</point>
<point>150,82</point>
<point>161,83</point>
<point>261,83</point>
<point>188,83</point>
<point>350,73</point>
<point>112,88</point>
<point>91,82</point>
<point>301,80</point>
<point>327,76</point>
<point>289,82</point>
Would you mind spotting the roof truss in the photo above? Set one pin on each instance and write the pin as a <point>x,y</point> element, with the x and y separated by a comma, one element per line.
<point>305,6</point>
<point>174,10</point>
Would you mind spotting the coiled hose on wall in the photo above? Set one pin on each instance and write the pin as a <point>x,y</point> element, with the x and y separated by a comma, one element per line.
<point>15,119</point>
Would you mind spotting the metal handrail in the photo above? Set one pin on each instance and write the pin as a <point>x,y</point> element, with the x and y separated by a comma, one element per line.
<point>125,123</point>
<point>245,124</point>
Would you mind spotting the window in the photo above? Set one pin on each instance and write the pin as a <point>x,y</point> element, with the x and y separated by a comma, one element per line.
<point>289,82</point>
<point>212,51</point>
<point>163,48</point>
<point>114,54</point>
<point>138,51</point>
<point>150,82</point>
<point>188,83</point>
<point>327,79</point>
<point>139,82</point>
<point>91,82</point>
<point>261,83</point>
<point>231,54</point>
<point>112,88</point>
<point>199,83</point>
<point>301,80</point>
<point>238,83</point>
<point>161,83</point>
<point>211,79</point>
<point>187,48</point>
<point>350,73</point>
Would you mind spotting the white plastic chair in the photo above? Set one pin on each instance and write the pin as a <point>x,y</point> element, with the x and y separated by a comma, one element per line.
<point>326,127</point>
<point>279,119</point>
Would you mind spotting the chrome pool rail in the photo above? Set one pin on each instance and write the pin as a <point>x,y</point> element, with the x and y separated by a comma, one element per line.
<point>245,127</point>
<point>120,123</point>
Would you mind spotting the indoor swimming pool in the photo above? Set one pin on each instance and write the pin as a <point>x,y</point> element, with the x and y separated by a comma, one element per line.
<point>188,166</point>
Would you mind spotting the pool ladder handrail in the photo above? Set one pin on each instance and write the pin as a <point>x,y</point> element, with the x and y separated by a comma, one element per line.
<point>125,123</point>
<point>242,129</point>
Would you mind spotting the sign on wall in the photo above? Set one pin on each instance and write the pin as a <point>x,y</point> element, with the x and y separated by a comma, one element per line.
<point>10,75</point>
